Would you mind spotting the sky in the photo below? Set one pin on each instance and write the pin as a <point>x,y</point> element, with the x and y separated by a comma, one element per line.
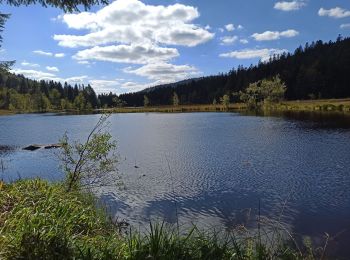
<point>129,45</point>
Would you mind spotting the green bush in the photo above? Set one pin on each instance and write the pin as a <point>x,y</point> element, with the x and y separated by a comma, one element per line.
<point>42,221</point>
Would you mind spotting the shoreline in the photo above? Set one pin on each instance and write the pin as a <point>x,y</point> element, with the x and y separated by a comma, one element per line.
<point>322,105</point>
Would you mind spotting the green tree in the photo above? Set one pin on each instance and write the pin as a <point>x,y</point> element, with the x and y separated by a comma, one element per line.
<point>118,102</point>
<point>92,163</point>
<point>4,65</point>
<point>225,101</point>
<point>55,98</point>
<point>214,102</point>
<point>80,102</point>
<point>175,99</point>
<point>145,101</point>
<point>264,92</point>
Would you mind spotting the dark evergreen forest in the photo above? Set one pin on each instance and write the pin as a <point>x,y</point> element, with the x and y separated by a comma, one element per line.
<point>317,70</point>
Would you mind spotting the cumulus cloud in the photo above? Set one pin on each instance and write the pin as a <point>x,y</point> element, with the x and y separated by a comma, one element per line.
<point>289,6</point>
<point>230,27</point>
<point>131,21</point>
<point>105,86</point>
<point>263,54</point>
<point>49,54</point>
<point>228,40</point>
<point>53,69</point>
<point>28,64</point>
<point>41,75</point>
<point>136,54</point>
<point>76,79</point>
<point>59,55</point>
<point>84,62</point>
<point>345,26</point>
<point>132,32</point>
<point>244,41</point>
<point>336,12</point>
<point>34,74</point>
<point>131,86</point>
<point>164,72</point>
<point>43,53</point>
<point>274,35</point>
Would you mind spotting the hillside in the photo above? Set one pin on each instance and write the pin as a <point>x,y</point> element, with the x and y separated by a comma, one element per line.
<point>317,70</point>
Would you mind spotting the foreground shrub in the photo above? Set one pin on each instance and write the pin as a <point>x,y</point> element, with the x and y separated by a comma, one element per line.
<point>42,221</point>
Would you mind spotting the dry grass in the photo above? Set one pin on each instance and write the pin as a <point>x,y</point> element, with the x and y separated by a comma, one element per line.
<point>177,109</point>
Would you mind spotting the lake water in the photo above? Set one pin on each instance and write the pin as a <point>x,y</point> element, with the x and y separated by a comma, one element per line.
<point>221,166</point>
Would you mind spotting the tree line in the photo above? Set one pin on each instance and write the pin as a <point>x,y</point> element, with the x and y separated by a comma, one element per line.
<point>317,70</point>
<point>20,93</point>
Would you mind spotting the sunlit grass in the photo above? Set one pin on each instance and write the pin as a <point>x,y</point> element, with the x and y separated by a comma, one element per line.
<point>342,105</point>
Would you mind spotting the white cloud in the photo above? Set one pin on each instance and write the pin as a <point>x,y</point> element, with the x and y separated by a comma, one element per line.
<point>43,53</point>
<point>240,27</point>
<point>207,27</point>
<point>228,40</point>
<point>263,54</point>
<point>336,12</point>
<point>289,6</point>
<point>59,55</point>
<point>164,72</point>
<point>28,64</point>
<point>41,75</point>
<point>34,74</point>
<point>244,41</point>
<point>76,79</point>
<point>53,69</point>
<point>134,86</point>
<point>345,26</point>
<point>49,54</point>
<point>136,54</point>
<point>230,27</point>
<point>274,35</point>
<point>221,30</point>
<point>105,86</point>
<point>84,62</point>
<point>131,21</point>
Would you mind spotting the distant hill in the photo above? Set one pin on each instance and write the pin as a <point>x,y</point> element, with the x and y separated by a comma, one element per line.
<point>171,85</point>
<point>317,70</point>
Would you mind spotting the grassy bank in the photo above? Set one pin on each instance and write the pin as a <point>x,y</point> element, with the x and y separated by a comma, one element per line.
<point>178,109</point>
<point>6,112</point>
<point>329,105</point>
<point>342,105</point>
<point>39,220</point>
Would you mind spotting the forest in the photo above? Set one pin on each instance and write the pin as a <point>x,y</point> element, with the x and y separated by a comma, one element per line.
<point>20,93</point>
<point>317,70</point>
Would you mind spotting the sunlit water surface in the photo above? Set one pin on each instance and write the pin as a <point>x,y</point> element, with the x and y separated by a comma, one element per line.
<point>211,169</point>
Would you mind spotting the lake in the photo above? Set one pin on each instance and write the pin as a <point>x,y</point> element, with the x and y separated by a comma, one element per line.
<point>212,169</point>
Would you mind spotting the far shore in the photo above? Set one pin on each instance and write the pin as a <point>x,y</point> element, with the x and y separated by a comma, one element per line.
<point>319,105</point>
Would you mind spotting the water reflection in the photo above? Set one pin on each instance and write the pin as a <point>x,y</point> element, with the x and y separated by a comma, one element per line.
<point>310,119</point>
<point>209,168</point>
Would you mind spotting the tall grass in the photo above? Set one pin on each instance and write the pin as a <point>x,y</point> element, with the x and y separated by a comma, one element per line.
<point>40,220</point>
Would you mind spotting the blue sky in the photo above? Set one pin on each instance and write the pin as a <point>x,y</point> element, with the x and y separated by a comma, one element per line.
<point>131,44</point>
